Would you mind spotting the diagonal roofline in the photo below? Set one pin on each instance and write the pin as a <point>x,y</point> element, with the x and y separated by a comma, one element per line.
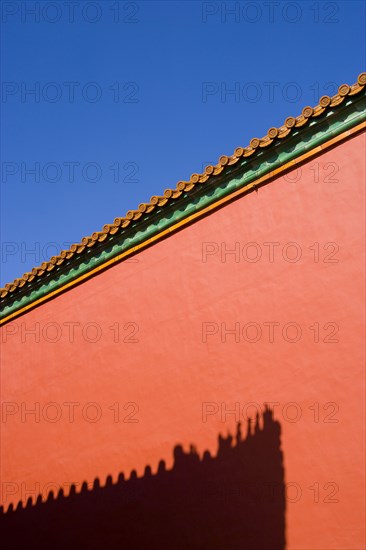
<point>225,166</point>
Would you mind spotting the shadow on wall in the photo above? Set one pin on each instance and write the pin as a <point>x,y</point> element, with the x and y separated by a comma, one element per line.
<point>235,500</point>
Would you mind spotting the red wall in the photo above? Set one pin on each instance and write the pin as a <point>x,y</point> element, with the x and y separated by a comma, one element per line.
<point>169,292</point>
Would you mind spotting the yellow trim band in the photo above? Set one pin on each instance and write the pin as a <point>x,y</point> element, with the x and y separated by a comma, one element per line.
<point>189,219</point>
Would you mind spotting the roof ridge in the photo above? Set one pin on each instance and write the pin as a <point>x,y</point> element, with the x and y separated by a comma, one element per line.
<point>325,103</point>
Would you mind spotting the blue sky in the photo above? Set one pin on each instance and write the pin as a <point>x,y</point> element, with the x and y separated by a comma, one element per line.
<point>131,97</point>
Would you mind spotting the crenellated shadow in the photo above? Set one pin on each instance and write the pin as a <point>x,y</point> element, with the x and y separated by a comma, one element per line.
<point>235,500</point>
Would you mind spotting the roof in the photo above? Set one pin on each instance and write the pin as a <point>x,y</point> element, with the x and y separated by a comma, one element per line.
<point>224,165</point>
